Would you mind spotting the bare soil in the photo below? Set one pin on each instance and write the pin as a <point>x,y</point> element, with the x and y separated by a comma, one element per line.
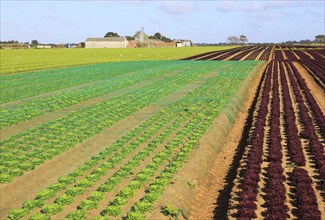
<point>315,89</point>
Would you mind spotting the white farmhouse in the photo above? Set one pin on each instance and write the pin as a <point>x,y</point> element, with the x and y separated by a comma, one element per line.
<point>106,42</point>
<point>183,43</point>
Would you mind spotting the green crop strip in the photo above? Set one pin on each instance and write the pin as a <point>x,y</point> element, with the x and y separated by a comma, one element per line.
<point>13,61</point>
<point>20,86</point>
<point>197,110</point>
<point>28,149</point>
<point>30,109</point>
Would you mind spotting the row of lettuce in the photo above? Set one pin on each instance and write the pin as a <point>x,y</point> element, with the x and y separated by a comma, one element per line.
<point>126,179</point>
<point>86,84</point>
<point>28,149</point>
<point>287,142</point>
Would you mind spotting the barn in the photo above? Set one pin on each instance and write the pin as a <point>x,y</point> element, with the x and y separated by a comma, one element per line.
<point>106,42</point>
<point>183,43</point>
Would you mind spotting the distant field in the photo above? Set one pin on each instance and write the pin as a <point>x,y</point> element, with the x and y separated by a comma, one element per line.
<point>22,60</point>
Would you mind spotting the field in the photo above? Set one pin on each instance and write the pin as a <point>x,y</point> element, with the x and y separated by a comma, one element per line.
<point>22,60</point>
<point>219,133</point>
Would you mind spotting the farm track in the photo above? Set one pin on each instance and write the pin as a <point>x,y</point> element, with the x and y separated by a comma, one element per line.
<point>51,170</point>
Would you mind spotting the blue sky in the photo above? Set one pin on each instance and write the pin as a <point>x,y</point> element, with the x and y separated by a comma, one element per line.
<point>62,21</point>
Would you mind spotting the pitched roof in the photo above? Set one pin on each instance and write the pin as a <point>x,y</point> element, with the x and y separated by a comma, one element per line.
<point>106,39</point>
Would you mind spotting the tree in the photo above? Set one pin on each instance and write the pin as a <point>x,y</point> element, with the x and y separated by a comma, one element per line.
<point>307,41</point>
<point>320,38</point>
<point>34,42</point>
<point>165,39</point>
<point>111,34</point>
<point>157,36</point>
<point>9,42</point>
<point>129,37</point>
<point>243,39</point>
<point>232,40</point>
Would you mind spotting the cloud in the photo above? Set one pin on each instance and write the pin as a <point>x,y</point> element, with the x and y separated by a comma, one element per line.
<point>175,8</point>
<point>226,6</point>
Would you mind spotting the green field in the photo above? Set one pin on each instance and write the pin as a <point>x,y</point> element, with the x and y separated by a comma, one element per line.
<point>109,137</point>
<point>22,60</point>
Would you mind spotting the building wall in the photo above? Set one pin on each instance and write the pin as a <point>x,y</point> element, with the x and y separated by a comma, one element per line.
<point>105,44</point>
<point>164,44</point>
<point>183,44</point>
<point>178,44</point>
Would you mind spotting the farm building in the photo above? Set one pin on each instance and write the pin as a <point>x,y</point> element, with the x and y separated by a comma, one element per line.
<point>183,43</point>
<point>106,42</point>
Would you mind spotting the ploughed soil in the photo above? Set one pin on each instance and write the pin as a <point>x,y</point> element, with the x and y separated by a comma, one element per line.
<point>315,89</point>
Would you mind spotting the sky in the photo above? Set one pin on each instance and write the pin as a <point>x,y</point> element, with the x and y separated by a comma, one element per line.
<point>50,21</point>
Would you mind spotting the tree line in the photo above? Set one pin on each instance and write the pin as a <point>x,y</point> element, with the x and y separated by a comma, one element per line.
<point>242,39</point>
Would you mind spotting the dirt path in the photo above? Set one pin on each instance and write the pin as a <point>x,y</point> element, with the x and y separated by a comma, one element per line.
<point>315,90</point>
<point>261,53</point>
<point>13,194</point>
<point>272,54</point>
